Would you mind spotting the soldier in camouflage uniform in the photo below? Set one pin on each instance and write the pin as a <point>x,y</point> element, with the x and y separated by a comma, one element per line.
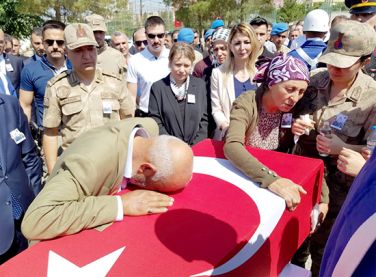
<point>81,99</point>
<point>346,98</point>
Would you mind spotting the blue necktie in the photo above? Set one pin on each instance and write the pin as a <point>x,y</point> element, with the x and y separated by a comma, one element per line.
<point>16,205</point>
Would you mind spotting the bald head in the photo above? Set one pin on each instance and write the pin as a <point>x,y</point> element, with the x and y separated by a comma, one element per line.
<point>173,160</point>
<point>162,163</point>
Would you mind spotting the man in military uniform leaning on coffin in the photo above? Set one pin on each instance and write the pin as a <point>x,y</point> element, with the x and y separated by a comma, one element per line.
<point>81,99</point>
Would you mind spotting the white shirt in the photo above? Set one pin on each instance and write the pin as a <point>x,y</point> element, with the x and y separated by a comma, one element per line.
<point>270,46</point>
<point>137,132</point>
<point>144,69</point>
<point>2,65</point>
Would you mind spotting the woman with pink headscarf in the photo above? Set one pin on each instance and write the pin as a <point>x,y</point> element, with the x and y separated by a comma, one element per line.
<point>263,119</point>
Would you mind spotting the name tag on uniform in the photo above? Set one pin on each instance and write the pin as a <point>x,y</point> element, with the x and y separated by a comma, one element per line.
<point>286,120</point>
<point>107,107</point>
<point>17,136</point>
<point>339,122</point>
<point>9,67</point>
<point>191,98</point>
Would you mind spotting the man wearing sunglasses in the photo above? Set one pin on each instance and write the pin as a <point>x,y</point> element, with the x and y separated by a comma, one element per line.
<point>148,66</point>
<point>36,74</point>
<point>83,98</point>
<point>109,59</point>
<point>139,41</point>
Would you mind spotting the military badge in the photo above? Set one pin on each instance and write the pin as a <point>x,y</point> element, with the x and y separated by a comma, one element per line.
<point>338,43</point>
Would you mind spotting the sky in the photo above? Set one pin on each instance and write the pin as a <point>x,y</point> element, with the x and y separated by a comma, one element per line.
<point>148,5</point>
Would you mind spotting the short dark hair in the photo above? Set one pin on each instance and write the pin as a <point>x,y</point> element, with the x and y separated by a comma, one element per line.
<point>259,21</point>
<point>7,38</point>
<point>153,21</point>
<point>52,24</point>
<point>37,31</point>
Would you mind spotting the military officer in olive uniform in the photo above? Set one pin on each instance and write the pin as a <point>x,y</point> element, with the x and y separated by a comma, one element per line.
<point>109,59</point>
<point>365,11</point>
<point>81,99</point>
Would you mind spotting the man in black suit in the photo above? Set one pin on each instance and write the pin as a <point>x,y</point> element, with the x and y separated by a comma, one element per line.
<point>10,65</point>
<point>20,175</point>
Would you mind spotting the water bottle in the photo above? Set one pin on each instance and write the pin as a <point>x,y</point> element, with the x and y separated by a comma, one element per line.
<point>325,130</point>
<point>371,140</point>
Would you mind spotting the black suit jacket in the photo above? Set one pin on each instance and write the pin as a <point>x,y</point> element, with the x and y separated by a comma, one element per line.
<point>14,67</point>
<point>20,167</point>
<point>164,109</point>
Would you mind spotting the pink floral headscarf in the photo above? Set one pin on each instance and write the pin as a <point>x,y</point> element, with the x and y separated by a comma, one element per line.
<point>282,68</point>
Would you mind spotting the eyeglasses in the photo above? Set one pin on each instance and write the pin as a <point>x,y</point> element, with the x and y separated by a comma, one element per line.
<point>152,36</point>
<point>51,42</point>
<point>140,42</point>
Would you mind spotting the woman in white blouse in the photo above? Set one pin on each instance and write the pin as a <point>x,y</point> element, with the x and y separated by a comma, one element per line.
<point>234,76</point>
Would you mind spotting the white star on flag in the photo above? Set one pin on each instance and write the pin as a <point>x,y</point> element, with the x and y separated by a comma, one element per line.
<point>59,266</point>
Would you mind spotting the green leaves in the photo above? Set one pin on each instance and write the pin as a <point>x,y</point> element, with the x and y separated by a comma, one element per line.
<point>15,22</point>
<point>291,11</point>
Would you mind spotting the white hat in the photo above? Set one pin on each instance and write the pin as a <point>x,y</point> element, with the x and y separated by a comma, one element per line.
<point>316,21</point>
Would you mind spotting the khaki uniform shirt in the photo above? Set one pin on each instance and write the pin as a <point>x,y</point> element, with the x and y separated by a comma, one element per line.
<point>358,104</point>
<point>111,61</point>
<point>74,108</point>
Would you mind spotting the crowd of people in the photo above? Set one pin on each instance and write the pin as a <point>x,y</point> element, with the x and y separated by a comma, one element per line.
<point>82,118</point>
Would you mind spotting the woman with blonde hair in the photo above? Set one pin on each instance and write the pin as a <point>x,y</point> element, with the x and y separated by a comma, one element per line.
<point>235,76</point>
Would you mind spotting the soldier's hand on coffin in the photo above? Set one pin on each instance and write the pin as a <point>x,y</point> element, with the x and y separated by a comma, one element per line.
<point>288,190</point>
<point>142,202</point>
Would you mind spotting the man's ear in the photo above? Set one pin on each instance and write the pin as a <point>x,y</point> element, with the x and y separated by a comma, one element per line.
<point>147,169</point>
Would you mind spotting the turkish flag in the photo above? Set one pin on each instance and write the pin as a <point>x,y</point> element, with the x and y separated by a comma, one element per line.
<point>214,227</point>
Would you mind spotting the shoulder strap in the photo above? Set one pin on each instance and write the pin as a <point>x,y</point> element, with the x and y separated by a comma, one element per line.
<point>308,59</point>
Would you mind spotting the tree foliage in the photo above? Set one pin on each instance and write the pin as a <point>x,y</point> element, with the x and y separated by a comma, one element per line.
<point>291,11</point>
<point>199,14</point>
<point>72,10</point>
<point>15,22</point>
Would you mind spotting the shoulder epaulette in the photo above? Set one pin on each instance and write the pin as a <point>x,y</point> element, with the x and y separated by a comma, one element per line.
<point>58,77</point>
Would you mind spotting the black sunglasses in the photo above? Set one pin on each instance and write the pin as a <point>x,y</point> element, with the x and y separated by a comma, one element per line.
<point>140,42</point>
<point>51,42</point>
<point>152,36</point>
